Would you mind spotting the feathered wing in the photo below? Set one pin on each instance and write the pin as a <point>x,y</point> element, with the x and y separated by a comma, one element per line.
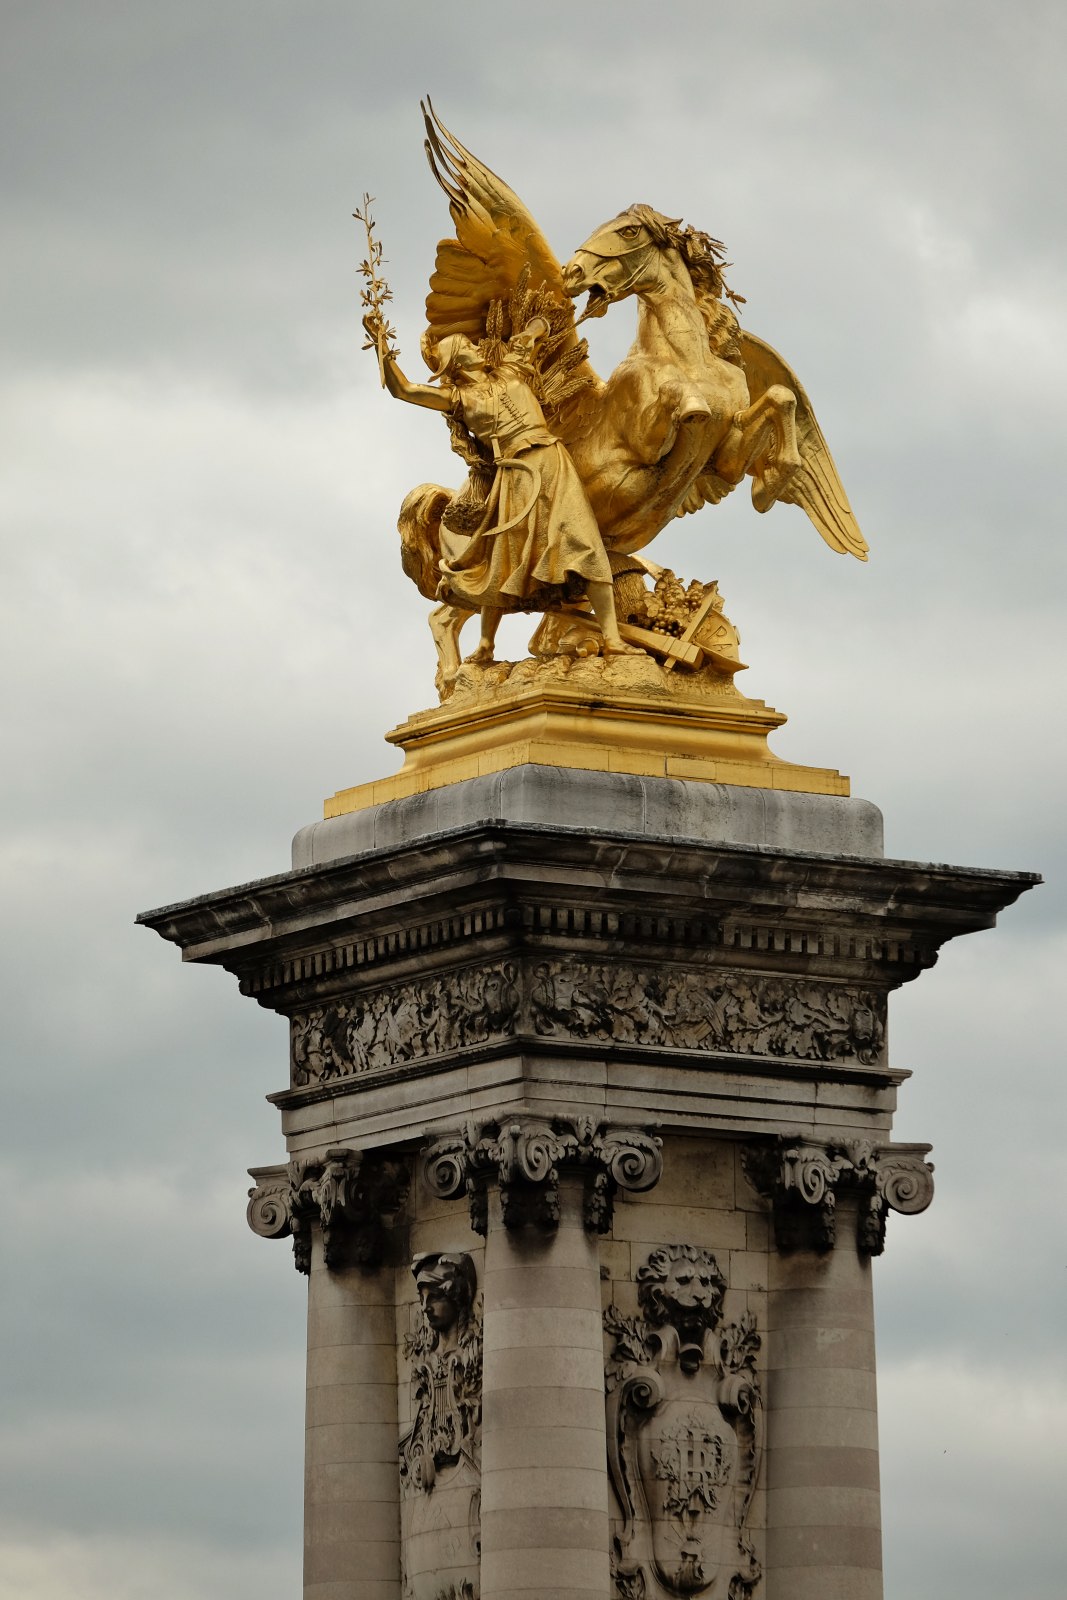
<point>498,249</point>
<point>707,489</point>
<point>816,487</point>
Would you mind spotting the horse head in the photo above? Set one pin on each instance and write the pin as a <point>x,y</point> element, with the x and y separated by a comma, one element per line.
<point>641,250</point>
<point>622,257</point>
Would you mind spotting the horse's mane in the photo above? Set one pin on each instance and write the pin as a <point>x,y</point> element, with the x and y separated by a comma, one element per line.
<point>704,260</point>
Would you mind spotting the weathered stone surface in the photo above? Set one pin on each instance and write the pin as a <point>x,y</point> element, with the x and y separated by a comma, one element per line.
<point>525,1159</point>
<point>552,797</point>
<point>440,1448</point>
<point>684,1431</point>
<point>533,994</point>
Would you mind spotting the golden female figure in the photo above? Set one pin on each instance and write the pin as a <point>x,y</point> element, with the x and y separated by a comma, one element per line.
<point>537,546</point>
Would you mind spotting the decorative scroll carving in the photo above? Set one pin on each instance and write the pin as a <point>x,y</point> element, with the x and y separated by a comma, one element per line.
<point>343,1193</point>
<point>440,1453</point>
<point>684,1426</point>
<point>268,1202</point>
<point>803,1180</point>
<point>525,1158</point>
<point>602,1003</point>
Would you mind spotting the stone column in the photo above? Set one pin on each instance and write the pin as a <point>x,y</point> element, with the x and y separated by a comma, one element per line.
<point>351,1481</point>
<point>544,1465</point>
<point>830,1203</point>
<point>824,1537</point>
<point>333,1207</point>
<point>541,1192</point>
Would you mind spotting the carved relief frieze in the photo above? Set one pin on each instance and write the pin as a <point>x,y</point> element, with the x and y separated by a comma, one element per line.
<point>684,1428</point>
<point>525,1157</point>
<point>706,1010</point>
<point>670,1008</point>
<point>803,1179</point>
<point>410,1021</point>
<point>344,1194</point>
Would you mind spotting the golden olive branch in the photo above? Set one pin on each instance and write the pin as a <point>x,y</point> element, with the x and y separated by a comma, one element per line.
<point>376,294</point>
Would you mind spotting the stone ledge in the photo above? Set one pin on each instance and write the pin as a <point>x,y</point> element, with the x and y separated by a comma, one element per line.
<point>678,808</point>
<point>611,871</point>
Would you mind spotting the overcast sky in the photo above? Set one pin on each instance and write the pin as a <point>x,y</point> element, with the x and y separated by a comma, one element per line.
<point>206,630</point>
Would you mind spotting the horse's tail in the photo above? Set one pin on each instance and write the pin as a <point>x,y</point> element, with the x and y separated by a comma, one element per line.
<point>419,525</point>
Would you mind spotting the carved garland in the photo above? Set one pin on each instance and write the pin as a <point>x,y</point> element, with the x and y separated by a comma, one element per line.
<point>600,1003</point>
<point>525,1158</point>
<point>344,1194</point>
<point>803,1180</point>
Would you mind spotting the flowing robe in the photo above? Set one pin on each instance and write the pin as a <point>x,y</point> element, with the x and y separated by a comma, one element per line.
<point>538,543</point>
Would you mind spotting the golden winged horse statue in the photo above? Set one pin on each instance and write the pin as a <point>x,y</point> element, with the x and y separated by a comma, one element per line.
<point>697,405</point>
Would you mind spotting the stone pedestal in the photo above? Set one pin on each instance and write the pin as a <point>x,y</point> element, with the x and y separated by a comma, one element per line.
<point>589,1136</point>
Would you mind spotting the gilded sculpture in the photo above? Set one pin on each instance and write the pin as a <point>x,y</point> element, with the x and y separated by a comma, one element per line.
<point>569,476</point>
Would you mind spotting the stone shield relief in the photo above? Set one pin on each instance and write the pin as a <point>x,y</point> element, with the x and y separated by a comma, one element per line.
<point>684,1434</point>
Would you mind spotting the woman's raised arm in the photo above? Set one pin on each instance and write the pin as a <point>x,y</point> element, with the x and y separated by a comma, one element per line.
<point>416,394</point>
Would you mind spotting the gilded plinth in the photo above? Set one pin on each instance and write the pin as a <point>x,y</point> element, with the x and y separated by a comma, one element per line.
<point>601,714</point>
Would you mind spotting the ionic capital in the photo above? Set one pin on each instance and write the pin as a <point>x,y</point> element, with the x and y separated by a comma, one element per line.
<point>804,1178</point>
<point>525,1157</point>
<point>343,1193</point>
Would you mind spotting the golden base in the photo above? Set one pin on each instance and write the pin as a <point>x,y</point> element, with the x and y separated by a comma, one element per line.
<point>702,729</point>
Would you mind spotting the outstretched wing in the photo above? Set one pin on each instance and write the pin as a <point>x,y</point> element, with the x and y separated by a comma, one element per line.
<point>497,245</point>
<point>816,487</point>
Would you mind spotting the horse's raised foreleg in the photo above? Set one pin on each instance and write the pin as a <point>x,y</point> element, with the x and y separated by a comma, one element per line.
<point>446,622</point>
<point>635,499</point>
<point>762,442</point>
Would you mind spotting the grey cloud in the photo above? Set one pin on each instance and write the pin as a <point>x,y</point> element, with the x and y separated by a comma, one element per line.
<point>200,470</point>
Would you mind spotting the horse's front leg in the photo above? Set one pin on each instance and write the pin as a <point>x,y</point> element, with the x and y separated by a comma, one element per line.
<point>485,652</point>
<point>665,435</point>
<point>446,623</point>
<point>763,442</point>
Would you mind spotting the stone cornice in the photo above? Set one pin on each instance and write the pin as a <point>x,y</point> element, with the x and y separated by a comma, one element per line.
<point>329,968</point>
<point>503,884</point>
